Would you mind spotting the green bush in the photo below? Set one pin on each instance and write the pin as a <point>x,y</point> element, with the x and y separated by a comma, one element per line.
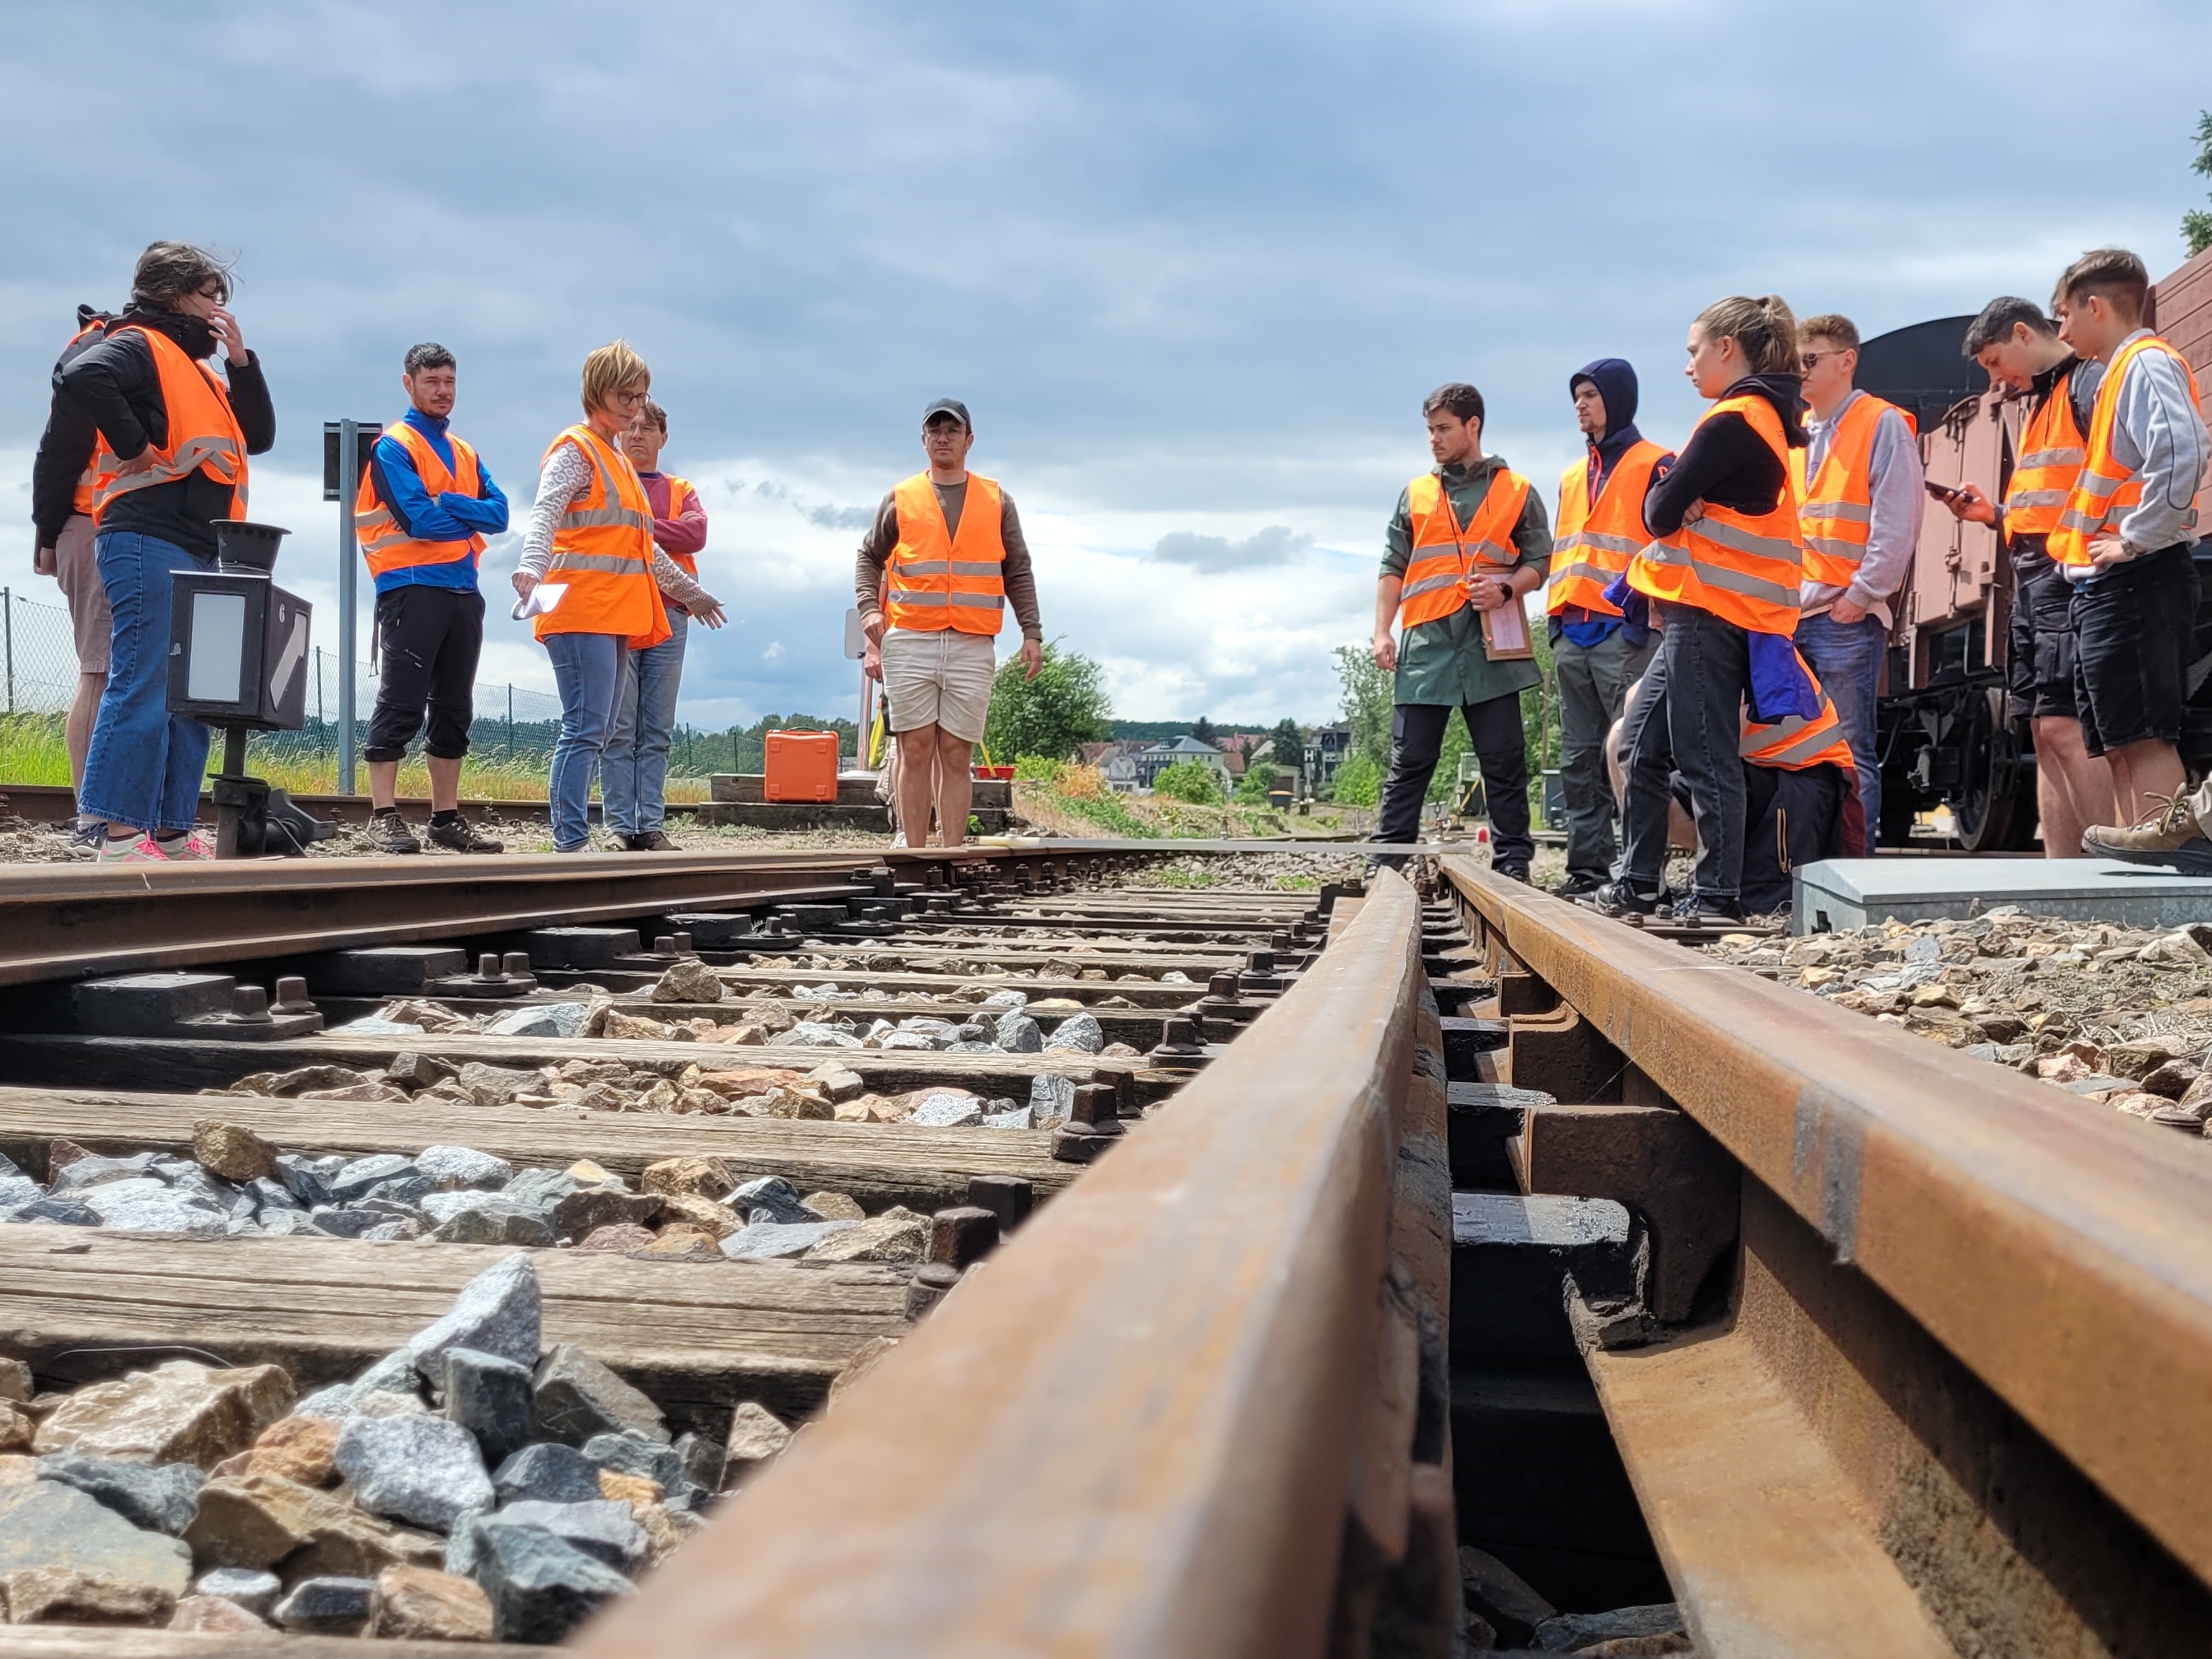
<point>1359,781</point>
<point>1259,778</point>
<point>1192,782</point>
<point>1035,768</point>
<point>1065,705</point>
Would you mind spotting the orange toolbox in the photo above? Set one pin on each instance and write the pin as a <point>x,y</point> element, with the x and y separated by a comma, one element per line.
<point>800,766</point>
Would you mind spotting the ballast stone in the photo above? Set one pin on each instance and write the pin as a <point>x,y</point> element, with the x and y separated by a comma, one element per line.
<point>329,1605</point>
<point>44,1523</point>
<point>770,1241</point>
<point>255,1591</point>
<point>497,1312</point>
<point>144,1205</point>
<point>547,1472</point>
<point>1076,1034</point>
<point>154,1498</point>
<point>541,1587</point>
<point>603,1529</point>
<point>422,1469</point>
<point>453,1169</point>
<point>578,1397</point>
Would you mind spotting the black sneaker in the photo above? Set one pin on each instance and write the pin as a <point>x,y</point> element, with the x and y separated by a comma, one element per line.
<point>618,841</point>
<point>653,841</point>
<point>1578,887</point>
<point>1512,872</point>
<point>454,833</point>
<point>388,832</point>
<point>1705,910</point>
<point>1618,898</point>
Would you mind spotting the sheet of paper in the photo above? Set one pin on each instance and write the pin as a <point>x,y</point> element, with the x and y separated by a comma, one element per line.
<point>1507,627</point>
<point>542,601</point>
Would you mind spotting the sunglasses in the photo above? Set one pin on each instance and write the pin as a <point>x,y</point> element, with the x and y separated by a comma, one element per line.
<point>1811,360</point>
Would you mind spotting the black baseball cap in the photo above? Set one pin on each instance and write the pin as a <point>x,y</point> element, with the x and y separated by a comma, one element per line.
<point>951,406</point>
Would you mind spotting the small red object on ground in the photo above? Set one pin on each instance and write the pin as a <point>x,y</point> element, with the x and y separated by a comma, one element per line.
<point>1000,773</point>
<point>801,766</point>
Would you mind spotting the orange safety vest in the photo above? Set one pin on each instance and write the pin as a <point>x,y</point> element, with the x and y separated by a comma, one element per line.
<point>2105,490</point>
<point>680,494</point>
<point>203,435</point>
<point>2051,452</point>
<point>1445,553</point>
<point>1835,514</point>
<point>1793,744</point>
<point>1743,568</point>
<point>938,578</point>
<point>603,550</point>
<point>80,499</point>
<point>1593,541</point>
<point>383,542</point>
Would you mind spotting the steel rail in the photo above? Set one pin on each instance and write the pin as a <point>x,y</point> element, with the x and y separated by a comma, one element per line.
<point>1140,1429</point>
<point>59,922</point>
<point>2062,1257</point>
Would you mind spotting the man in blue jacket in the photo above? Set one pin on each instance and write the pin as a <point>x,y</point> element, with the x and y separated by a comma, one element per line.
<point>424,509</point>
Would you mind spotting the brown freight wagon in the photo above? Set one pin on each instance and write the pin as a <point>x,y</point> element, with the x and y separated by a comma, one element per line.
<point>1947,737</point>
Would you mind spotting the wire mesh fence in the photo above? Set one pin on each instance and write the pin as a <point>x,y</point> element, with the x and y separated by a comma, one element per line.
<point>39,651</point>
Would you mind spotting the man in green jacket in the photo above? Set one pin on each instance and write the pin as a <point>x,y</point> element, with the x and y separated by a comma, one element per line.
<point>1470,556</point>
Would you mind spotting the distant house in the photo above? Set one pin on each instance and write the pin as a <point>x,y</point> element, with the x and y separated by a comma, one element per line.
<point>1115,760</point>
<point>1152,762</point>
<point>1327,749</point>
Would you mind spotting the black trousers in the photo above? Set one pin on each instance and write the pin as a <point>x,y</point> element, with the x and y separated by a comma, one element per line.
<point>428,639</point>
<point>1791,818</point>
<point>1417,735</point>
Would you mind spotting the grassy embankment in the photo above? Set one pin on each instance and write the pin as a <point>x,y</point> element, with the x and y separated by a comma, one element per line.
<point>1063,798</point>
<point>31,751</point>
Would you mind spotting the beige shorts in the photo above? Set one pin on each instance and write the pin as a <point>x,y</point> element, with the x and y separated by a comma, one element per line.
<point>941,678</point>
<point>78,572</point>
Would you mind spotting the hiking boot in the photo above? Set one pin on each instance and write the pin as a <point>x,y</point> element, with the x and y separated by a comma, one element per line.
<point>1705,910</point>
<point>1578,887</point>
<point>1618,898</point>
<point>388,832</point>
<point>453,832</point>
<point>2167,836</point>
<point>653,841</point>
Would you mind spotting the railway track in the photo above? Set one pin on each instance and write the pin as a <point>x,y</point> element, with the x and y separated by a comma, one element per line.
<point>1392,1270</point>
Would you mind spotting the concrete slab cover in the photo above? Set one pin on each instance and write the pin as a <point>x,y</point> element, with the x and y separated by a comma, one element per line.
<point>1844,893</point>
<point>1564,1224</point>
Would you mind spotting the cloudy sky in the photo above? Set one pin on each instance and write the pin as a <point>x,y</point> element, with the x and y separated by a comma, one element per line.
<point>1192,267</point>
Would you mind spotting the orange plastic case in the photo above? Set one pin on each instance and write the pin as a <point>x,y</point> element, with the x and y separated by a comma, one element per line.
<point>801,766</point>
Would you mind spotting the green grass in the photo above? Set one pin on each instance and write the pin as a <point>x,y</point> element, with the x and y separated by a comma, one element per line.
<point>32,751</point>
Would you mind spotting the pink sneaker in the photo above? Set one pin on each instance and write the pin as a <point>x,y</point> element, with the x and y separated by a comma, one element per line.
<point>186,848</point>
<point>144,850</point>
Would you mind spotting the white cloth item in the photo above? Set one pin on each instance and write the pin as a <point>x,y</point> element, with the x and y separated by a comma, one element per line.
<point>938,677</point>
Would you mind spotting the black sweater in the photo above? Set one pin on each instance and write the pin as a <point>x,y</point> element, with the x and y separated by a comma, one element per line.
<point>1726,463</point>
<point>112,388</point>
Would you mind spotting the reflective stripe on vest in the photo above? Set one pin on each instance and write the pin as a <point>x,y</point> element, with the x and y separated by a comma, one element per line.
<point>1835,516</point>
<point>1594,540</point>
<point>80,497</point>
<point>1743,568</point>
<point>204,434</point>
<point>603,550</point>
<point>1796,744</point>
<point>2106,491</point>
<point>937,578</point>
<point>680,495</point>
<point>384,543</point>
<point>1444,553</point>
<point>2052,450</point>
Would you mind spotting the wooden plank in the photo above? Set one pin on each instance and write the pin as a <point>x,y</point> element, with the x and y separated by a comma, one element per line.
<point>1137,1430</point>
<point>697,1336</point>
<point>112,1642</point>
<point>878,1164</point>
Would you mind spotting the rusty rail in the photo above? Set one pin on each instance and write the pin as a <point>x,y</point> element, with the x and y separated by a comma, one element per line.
<point>59,922</point>
<point>1917,1226</point>
<point>1157,1420</point>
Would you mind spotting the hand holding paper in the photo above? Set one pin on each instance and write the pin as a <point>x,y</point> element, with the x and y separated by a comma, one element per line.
<point>539,601</point>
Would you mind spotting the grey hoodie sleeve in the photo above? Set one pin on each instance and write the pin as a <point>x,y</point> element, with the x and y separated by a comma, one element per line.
<point>2156,432</point>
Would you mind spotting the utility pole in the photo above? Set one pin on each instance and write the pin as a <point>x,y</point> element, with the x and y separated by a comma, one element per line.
<point>342,447</point>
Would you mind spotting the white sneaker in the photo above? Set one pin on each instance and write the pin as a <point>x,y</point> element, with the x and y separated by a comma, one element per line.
<point>186,848</point>
<point>144,850</point>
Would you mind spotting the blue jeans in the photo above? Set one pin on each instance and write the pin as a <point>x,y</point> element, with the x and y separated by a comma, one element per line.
<point>143,770</point>
<point>634,770</point>
<point>589,668</point>
<point>1847,657</point>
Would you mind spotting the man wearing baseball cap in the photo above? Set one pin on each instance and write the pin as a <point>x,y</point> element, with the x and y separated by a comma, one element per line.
<point>935,574</point>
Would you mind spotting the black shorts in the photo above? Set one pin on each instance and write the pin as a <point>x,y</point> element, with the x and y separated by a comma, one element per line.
<point>2039,652</point>
<point>2133,627</point>
<point>428,639</point>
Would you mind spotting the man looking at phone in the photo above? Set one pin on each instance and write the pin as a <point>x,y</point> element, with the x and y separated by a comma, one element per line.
<point>1860,504</point>
<point>2019,348</point>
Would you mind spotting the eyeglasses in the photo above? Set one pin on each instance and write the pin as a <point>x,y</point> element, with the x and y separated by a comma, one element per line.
<point>1811,360</point>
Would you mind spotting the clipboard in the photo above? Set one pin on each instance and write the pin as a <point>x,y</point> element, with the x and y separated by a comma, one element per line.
<point>1505,635</point>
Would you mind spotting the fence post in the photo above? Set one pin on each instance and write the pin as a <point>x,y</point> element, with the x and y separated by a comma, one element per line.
<point>348,551</point>
<point>7,609</point>
<point>510,720</point>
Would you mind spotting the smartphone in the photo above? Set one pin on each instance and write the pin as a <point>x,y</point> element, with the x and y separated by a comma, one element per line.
<point>1942,493</point>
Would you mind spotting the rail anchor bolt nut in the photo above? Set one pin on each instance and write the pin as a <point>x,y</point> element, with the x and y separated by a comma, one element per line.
<point>249,1005</point>
<point>292,997</point>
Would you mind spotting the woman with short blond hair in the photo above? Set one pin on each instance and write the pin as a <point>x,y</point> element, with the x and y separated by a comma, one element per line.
<point>591,536</point>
